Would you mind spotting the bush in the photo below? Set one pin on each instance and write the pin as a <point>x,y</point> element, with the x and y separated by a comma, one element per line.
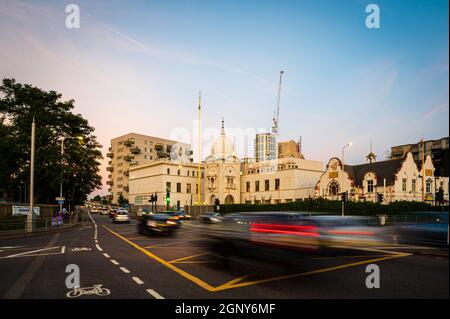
<point>334,207</point>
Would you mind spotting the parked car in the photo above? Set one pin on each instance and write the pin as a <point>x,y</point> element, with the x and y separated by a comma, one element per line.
<point>121,216</point>
<point>210,218</point>
<point>158,223</point>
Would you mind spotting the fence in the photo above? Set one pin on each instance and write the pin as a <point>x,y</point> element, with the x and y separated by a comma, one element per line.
<point>18,226</point>
<point>46,210</point>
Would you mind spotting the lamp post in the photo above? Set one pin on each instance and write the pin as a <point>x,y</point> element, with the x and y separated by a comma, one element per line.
<point>343,148</point>
<point>80,138</point>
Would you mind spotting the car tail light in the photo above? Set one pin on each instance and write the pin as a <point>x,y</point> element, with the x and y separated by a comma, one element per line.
<point>298,230</point>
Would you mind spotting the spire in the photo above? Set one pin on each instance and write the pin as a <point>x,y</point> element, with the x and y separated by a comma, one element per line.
<point>371,157</point>
<point>222,132</point>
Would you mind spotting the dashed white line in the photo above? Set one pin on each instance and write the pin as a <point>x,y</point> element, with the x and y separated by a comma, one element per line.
<point>98,247</point>
<point>63,249</point>
<point>125,270</point>
<point>137,280</point>
<point>106,255</point>
<point>155,294</point>
<point>114,262</point>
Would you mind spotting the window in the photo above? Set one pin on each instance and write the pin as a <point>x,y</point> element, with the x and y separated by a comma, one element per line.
<point>370,186</point>
<point>277,184</point>
<point>266,185</point>
<point>188,188</point>
<point>248,187</point>
<point>414,185</point>
<point>196,188</point>
<point>428,186</point>
<point>333,188</point>
<point>404,184</point>
<point>256,186</point>
<point>178,187</point>
<point>168,186</point>
<point>168,171</point>
<point>179,172</point>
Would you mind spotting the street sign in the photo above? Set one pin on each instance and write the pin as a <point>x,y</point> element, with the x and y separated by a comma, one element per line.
<point>60,199</point>
<point>23,210</point>
<point>60,202</point>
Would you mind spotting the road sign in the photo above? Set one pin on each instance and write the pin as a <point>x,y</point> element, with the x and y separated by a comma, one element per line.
<point>23,210</point>
<point>60,202</point>
<point>60,199</point>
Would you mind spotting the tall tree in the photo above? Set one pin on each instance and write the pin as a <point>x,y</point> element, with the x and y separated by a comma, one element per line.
<point>79,167</point>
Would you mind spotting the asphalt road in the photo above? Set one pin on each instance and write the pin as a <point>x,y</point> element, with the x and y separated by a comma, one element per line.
<point>129,265</point>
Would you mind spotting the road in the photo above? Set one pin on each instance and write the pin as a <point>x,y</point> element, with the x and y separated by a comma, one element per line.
<point>129,265</point>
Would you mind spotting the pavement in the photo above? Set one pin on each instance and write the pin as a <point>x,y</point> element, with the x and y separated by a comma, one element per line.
<point>114,261</point>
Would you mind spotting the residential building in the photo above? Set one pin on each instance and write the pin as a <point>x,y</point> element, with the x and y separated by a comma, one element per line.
<point>290,149</point>
<point>135,149</point>
<point>394,179</point>
<point>160,177</point>
<point>265,147</point>
<point>437,149</point>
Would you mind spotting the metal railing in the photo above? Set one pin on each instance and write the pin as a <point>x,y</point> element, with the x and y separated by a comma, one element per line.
<point>17,226</point>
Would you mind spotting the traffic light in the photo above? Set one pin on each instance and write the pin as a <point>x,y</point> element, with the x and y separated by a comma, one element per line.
<point>344,197</point>
<point>380,198</point>
<point>168,198</point>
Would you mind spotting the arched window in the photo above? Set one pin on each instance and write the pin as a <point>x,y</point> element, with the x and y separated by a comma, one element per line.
<point>333,188</point>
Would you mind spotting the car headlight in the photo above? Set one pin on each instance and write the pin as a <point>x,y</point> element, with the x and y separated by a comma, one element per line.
<point>170,222</point>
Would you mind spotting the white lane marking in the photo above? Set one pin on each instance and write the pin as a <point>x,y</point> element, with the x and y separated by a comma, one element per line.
<point>96,241</point>
<point>63,249</point>
<point>30,252</point>
<point>114,262</point>
<point>98,247</point>
<point>106,255</point>
<point>155,294</point>
<point>125,270</point>
<point>137,280</point>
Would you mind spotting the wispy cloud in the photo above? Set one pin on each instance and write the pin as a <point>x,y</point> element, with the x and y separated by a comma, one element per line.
<point>441,108</point>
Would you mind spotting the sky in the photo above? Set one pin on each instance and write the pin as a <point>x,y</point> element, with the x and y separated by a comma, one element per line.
<point>138,66</point>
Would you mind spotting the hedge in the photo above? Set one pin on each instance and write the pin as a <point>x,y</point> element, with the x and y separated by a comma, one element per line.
<point>334,207</point>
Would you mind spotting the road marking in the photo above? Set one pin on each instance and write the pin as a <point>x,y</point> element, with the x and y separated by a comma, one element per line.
<point>181,272</point>
<point>106,255</point>
<point>19,286</point>
<point>138,238</point>
<point>186,258</point>
<point>227,285</point>
<point>114,262</point>
<point>30,253</point>
<point>137,280</point>
<point>98,247</point>
<point>125,270</point>
<point>155,294</point>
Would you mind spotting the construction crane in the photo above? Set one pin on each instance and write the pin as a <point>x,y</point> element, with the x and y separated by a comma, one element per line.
<point>277,112</point>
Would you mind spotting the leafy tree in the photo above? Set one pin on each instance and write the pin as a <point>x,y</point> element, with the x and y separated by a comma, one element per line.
<point>122,201</point>
<point>97,198</point>
<point>79,167</point>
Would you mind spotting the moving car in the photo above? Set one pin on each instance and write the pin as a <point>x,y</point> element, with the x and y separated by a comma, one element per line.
<point>121,216</point>
<point>284,236</point>
<point>158,223</point>
<point>210,218</point>
<point>104,211</point>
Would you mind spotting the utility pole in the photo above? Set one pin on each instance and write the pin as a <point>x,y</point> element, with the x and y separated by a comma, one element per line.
<point>30,212</point>
<point>423,171</point>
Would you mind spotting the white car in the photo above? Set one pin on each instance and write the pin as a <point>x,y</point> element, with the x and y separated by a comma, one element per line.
<point>121,216</point>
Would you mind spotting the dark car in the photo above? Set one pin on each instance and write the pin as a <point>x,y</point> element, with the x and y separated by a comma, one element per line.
<point>158,223</point>
<point>210,218</point>
<point>181,215</point>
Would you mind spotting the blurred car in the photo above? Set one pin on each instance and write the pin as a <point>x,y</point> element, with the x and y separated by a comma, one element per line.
<point>181,215</point>
<point>158,223</point>
<point>113,211</point>
<point>94,210</point>
<point>274,236</point>
<point>104,211</point>
<point>121,216</point>
<point>210,218</point>
<point>143,211</point>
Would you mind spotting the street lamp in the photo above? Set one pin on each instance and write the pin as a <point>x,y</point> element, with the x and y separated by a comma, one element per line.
<point>343,148</point>
<point>80,138</point>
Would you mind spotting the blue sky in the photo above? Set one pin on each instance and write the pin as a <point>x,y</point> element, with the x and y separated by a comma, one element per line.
<point>138,66</point>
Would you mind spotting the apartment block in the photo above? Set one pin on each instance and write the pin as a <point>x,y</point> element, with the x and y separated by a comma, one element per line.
<point>133,149</point>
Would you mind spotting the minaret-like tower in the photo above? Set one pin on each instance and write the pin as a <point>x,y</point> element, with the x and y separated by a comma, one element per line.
<point>371,157</point>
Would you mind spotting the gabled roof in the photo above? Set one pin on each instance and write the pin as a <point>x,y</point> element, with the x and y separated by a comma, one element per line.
<point>383,170</point>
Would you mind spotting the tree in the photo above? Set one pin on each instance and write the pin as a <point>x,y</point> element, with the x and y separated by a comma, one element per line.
<point>78,169</point>
<point>97,198</point>
<point>122,201</point>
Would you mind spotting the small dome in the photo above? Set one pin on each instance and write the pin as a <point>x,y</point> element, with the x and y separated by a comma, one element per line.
<point>222,147</point>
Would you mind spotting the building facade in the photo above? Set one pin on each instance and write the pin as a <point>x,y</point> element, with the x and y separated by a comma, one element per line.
<point>290,149</point>
<point>265,147</point>
<point>437,149</point>
<point>135,149</point>
<point>395,179</point>
<point>160,177</point>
